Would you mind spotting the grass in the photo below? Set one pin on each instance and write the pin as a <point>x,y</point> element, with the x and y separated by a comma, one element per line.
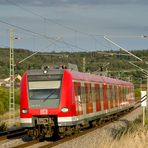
<point>6,115</point>
<point>134,135</point>
<point>136,139</point>
<point>4,120</point>
<point>3,127</point>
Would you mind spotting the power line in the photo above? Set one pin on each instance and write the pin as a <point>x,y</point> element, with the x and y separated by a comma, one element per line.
<point>68,27</point>
<point>143,70</point>
<point>41,35</point>
<point>122,48</point>
<point>126,36</point>
<point>50,20</point>
<point>33,54</point>
<point>26,30</point>
<point>93,36</point>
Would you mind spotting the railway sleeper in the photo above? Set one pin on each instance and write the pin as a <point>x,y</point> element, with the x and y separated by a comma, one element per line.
<point>68,131</point>
<point>40,131</point>
<point>93,123</point>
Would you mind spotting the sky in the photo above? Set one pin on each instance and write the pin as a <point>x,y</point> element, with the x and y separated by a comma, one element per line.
<point>74,25</point>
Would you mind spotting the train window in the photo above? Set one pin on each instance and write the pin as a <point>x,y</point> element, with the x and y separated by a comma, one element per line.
<point>90,92</point>
<point>86,92</point>
<point>116,95</point>
<point>97,93</point>
<point>123,93</point>
<point>93,94</point>
<point>101,93</point>
<point>82,94</point>
<point>110,94</point>
<point>115,92</point>
<point>106,91</point>
<point>120,94</point>
<point>79,91</point>
<point>75,88</point>
<point>43,90</point>
<point>129,92</point>
<point>44,94</point>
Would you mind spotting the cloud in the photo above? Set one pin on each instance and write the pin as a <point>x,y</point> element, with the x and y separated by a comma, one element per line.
<point>53,3</point>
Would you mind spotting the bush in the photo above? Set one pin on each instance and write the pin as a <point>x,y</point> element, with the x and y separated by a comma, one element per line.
<point>3,127</point>
<point>137,93</point>
<point>2,108</point>
<point>4,99</point>
<point>130,127</point>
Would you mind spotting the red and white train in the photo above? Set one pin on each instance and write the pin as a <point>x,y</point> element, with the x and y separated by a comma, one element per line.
<point>64,101</point>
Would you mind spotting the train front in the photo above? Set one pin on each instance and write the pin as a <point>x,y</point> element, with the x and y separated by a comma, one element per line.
<point>44,101</point>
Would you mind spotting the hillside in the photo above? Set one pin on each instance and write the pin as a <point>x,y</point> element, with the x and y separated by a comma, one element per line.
<point>116,63</point>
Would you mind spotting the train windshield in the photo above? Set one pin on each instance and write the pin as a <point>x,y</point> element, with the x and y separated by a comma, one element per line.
<point>44,90</point>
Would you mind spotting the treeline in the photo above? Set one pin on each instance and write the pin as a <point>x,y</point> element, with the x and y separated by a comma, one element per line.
<point>117,62</point>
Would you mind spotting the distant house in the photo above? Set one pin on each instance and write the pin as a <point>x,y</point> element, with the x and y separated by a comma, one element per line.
<point>6,82</point>
<point>2,83</point>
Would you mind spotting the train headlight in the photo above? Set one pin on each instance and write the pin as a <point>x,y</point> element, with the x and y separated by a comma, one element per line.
<point>24,111</point>
<point>45,71</point>
<point>65,109</point>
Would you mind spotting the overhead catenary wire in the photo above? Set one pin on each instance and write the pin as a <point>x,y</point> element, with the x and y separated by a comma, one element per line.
<point>50,20</point>
<point>41,35</point>
<point>35,53</point>
<point>93,36</point>
<point>64,26</point>
<point>71,28</point>
<point>143,70</point>
<point>55,22</point>
<point>122,48</point>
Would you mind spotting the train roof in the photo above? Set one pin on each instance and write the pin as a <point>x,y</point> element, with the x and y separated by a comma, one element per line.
<point>81,76</point>
<point>96,78</point>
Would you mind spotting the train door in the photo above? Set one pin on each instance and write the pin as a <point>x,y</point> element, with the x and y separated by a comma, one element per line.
<point>116,96</point>
<point>83,99</point>
<point>123,94</point>
<point>120,96</point>
<point>89,104</point>
<point>101,97</point>
<point>108,96</point>
<point>105,99</point>
<point>97,97</point>
<point>111,89</point>
<point>78,99</point>
<point>93,97</point>
<point>126,95</point>
<point>129,95</point>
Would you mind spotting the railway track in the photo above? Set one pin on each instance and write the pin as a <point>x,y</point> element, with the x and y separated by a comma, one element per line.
<point>82,133</point>
<point>8,138</point>
<point>12,133</point>
<point>53,142</point>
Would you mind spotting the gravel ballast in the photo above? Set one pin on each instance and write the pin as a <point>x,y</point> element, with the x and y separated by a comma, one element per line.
<point>94,139</point>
